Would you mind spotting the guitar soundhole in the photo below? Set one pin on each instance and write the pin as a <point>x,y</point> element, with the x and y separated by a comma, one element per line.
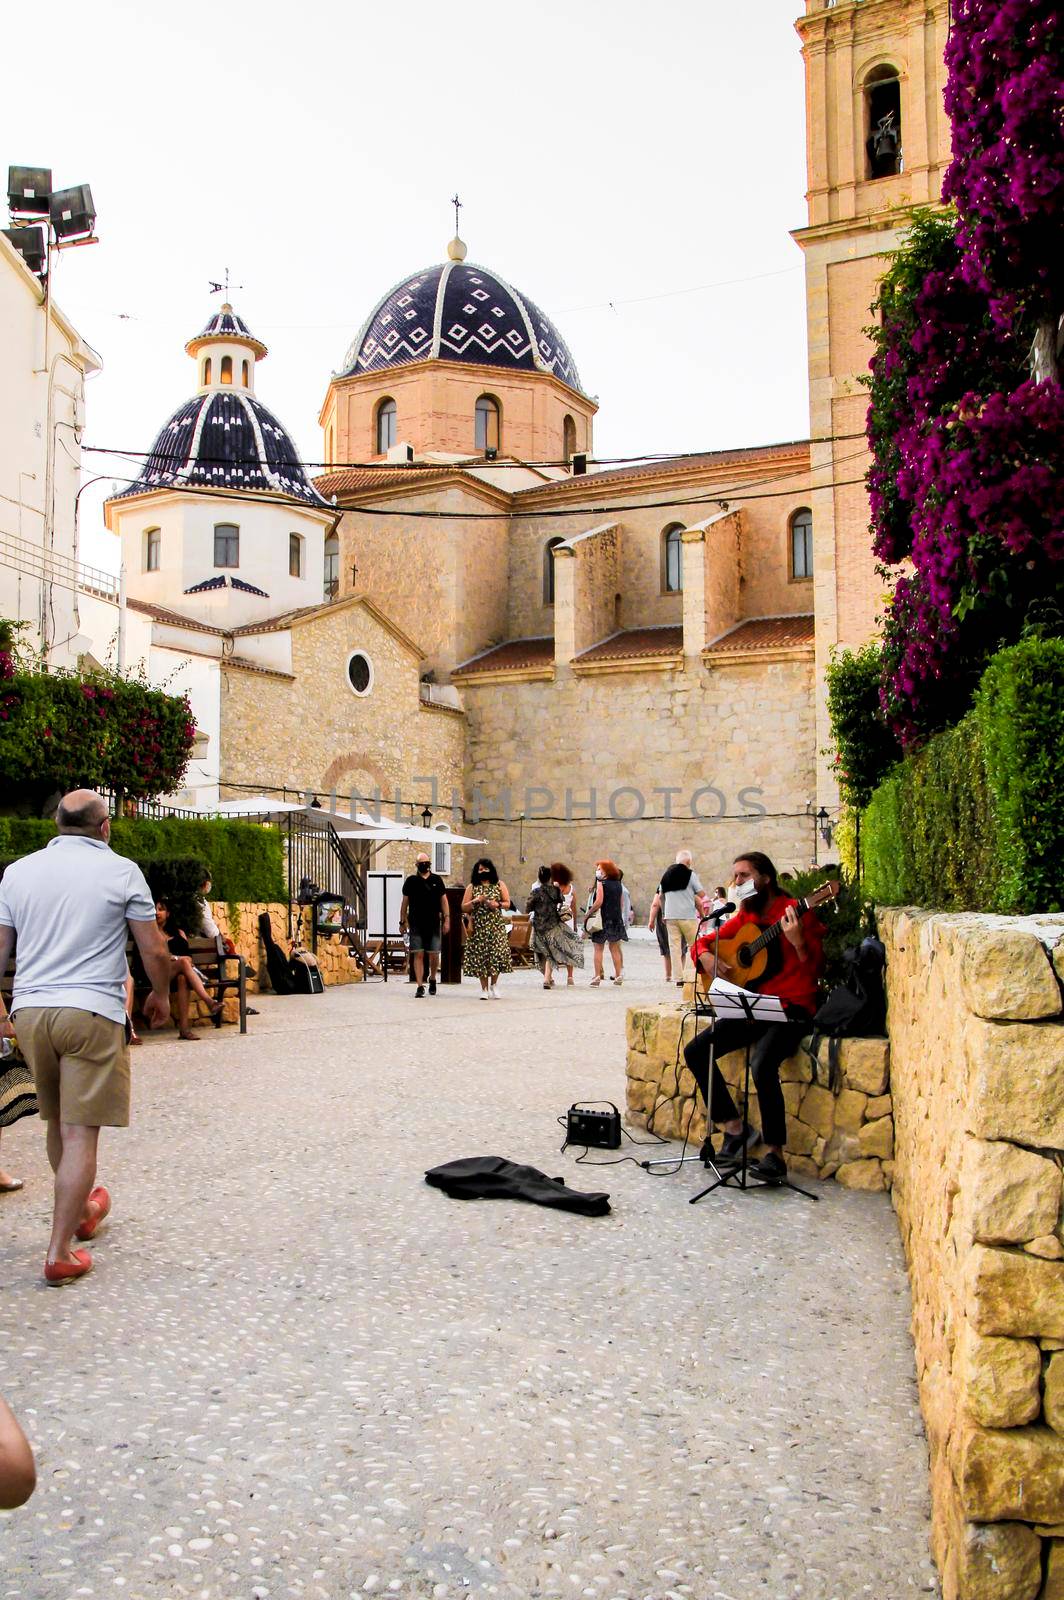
<point>745,958</point>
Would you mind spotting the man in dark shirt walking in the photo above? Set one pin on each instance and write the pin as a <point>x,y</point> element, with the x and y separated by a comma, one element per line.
<point>426,914</point>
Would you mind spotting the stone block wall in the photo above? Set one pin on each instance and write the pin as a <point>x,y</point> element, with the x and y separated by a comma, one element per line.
<point>977,1080</point>
<point>845,1132</point>
<point>336,965</point>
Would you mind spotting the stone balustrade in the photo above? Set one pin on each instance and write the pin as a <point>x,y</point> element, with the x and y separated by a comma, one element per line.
<point>845,1131</point>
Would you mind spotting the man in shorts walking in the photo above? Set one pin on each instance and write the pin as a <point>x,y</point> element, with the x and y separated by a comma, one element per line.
<point>71,907</point>
<point>424,911</point>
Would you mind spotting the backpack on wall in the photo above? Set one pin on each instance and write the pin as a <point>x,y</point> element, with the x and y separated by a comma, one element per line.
<point>855,1009</point>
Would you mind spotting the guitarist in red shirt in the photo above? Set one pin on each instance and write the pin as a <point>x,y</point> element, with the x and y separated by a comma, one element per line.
<point>796,962</point>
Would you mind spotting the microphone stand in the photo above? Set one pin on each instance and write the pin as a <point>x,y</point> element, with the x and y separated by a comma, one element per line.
<point>700,1008</point>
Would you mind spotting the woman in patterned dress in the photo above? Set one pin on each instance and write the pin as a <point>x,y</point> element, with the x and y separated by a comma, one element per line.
<point>553,939</point>
<point>487,951</point>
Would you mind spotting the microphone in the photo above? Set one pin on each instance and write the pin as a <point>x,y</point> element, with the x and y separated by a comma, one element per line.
<point>718,915</point>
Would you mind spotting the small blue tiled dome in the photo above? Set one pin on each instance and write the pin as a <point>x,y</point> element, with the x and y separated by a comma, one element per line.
<point>458,311</point>
<point>225,439</point>
<point>226,324</point>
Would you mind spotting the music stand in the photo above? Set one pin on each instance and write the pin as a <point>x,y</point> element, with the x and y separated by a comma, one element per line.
<point>701,1007</point>
<point>729,1001</point>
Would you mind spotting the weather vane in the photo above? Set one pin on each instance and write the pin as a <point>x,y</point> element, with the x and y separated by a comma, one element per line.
<point>219,288</point>
<point>457,207</point>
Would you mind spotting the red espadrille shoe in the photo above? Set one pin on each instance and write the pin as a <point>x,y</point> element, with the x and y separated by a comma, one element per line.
<point>66,1271</point>
<point>97,1207</point>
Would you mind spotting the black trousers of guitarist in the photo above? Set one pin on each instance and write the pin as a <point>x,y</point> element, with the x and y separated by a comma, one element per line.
<point>771,1043</point>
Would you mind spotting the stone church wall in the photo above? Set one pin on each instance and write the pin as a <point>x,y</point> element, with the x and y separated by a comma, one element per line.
<point>977,1078</point>
<point>765,585</point>
<point>443,582</point>
<point>743,736</point>
<point>316,733</point>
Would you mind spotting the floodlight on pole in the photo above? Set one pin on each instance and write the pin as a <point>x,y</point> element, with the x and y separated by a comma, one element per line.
<point>73,215</point>
<point>31,246</point>
<point>29,190</point>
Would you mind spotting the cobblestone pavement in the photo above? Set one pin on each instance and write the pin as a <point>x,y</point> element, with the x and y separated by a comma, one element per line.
<point>299,1371</point>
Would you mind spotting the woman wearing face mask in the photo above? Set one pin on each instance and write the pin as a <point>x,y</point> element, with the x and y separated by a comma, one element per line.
<point>606,898</point>
<point>487,951</point>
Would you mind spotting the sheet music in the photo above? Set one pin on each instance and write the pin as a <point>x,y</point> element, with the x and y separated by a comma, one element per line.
<point>731,1000</point>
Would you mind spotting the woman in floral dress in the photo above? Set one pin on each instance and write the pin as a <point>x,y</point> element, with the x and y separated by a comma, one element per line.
<point>487,951</point>
<point>553,939</point>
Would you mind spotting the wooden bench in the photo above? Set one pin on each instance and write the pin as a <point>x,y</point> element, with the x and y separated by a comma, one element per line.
<point>209,955</point>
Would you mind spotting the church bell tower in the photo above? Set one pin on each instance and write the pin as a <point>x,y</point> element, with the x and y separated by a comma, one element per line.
<point>877,146</point>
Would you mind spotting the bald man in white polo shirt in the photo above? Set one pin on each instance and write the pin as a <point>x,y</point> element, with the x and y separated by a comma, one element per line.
<point>71,907</point>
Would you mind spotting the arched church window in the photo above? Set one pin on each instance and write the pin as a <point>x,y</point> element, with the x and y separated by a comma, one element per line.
<point>227,369</point>
<point>152,549</point>
<point>882,96</point>
<point>207,371</point>
<point>672,559</point>
<point>332,566</point>
<point>245,373</point>
<point>226,544</point>
<point>548,570</point>
<point>295,555</point>
<point>387,421</point>
<point>487,423</point>
<point>568,438</point>
<point>802,543</point>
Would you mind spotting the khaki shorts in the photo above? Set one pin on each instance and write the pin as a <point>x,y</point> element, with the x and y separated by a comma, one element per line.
<point>80,1065</point>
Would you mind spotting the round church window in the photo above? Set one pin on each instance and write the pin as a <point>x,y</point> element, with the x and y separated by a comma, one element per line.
<point>360,672</point>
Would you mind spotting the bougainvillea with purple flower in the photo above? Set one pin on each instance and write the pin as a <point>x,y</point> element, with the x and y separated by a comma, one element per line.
<point>967,451</point>
<point>1005,100</point>
<point>62,731</point>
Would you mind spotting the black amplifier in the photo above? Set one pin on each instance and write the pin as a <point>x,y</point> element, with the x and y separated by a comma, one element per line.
<point>601,1129</point>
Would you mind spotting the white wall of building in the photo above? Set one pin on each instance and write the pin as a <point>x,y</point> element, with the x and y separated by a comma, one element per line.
<point>42,401</point>
<point>186,526</point>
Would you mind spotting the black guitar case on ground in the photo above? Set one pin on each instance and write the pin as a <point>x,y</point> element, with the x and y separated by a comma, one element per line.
<point>277,964</point>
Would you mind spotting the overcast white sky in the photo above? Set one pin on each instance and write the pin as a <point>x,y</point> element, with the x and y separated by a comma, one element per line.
<point>605,151</point>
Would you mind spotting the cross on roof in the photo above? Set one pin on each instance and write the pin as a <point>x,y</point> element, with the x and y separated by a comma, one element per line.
<point>457,207</point>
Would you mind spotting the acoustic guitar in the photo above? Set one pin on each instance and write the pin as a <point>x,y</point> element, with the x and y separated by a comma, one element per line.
<point>753,953</point>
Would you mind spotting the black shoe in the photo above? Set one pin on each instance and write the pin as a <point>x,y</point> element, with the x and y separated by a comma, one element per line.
<point>731,1151</point>
<point>770,1168</point>
<point>432,986</point>
<point>419,992</point>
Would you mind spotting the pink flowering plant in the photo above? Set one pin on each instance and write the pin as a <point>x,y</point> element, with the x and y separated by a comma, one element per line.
<point>60,730</point>
<point>967,448</point>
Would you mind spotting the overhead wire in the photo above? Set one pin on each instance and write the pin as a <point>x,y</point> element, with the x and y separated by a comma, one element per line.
<point>712,497</point>
<point>386,467</point>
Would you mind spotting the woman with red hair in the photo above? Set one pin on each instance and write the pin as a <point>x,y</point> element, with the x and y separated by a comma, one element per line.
<point>607,900</point>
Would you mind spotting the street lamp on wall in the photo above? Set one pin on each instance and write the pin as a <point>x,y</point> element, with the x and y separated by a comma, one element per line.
<point>426,817</point>
<point>825,826</point>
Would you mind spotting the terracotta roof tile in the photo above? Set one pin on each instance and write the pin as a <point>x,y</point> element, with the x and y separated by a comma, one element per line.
<point>512,656</point>
<point>171,618</point>
<point>586,483</point>
<point>635,644</point>
<point>352,480</point>
<point>766,633</point>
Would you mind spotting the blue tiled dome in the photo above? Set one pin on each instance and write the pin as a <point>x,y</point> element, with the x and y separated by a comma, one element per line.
<point>225,439</point>
<point>457,311</point>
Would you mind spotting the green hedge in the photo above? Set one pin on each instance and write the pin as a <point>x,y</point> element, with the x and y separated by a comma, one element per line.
<point>245,861</point>
<point>974,820</point>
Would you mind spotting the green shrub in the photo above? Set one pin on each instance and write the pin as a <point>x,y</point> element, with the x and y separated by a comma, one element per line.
<point>61,730</point>
<point>245,861</point>
<point>865,748</point>
<point>1020,712</point>
<point>973,822</point>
